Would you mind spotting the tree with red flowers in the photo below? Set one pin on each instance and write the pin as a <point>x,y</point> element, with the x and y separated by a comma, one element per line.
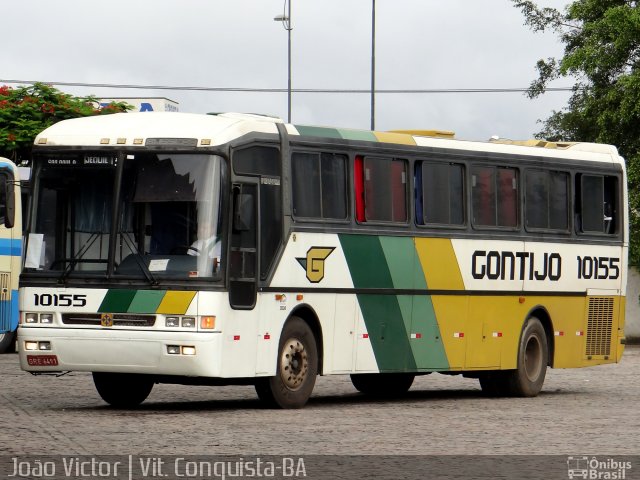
<point>26,111</point>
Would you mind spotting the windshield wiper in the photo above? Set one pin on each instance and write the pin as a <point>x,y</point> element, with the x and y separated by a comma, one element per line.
<point>140,261</point>
<point>77,259</point>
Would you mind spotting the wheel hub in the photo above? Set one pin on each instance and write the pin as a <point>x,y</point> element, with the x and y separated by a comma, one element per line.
<point>293,364</point>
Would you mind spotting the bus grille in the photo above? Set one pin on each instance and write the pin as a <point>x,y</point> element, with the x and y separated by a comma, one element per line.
<point>599,326</point>
<point>5,304</point>
<point>119,320</point>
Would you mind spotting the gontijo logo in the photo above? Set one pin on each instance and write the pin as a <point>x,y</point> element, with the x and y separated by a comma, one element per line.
<point>314,262</point>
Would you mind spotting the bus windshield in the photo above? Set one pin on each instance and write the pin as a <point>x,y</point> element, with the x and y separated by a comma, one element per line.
<point>166,213</point>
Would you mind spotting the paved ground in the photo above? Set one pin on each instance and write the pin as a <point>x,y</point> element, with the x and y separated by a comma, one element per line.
<point>580,412</point>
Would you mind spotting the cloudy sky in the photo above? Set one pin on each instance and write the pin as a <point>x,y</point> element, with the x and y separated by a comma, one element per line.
<point>420,44</point>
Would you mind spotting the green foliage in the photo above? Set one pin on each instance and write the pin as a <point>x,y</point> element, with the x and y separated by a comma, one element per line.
<point>26,111</point>
<point>602,55</point>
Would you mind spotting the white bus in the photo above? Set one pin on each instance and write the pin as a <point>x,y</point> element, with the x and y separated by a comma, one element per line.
<point>236,249</point>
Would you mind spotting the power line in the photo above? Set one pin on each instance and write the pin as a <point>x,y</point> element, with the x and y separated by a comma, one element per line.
<point>284,90</point>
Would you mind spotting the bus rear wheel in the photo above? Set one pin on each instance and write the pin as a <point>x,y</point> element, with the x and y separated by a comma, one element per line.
<point>122,390</point>
<point>382,384</point>
<point>527,379</point>
<point>296,369</point>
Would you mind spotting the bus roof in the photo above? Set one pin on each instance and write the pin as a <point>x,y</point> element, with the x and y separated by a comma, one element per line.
<point>134,129</point>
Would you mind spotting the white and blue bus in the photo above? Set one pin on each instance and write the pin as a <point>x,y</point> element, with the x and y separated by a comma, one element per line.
<point>10,251</point>
<point>237,249</point>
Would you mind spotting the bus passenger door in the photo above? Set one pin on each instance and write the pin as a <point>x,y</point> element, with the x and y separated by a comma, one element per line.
<point>243,249</point>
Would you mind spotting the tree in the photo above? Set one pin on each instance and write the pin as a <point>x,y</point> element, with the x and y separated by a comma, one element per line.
<point>26,111</point>
<point>602,55</point>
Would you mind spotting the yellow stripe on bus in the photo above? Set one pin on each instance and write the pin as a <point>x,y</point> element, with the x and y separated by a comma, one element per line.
<point>176,302</point>
<point>439,264</point>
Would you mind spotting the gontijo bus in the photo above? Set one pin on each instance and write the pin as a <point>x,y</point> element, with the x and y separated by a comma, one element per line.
<point>383,255</point>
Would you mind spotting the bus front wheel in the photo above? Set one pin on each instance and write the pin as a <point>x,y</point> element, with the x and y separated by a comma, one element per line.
<point>122,390</point>
<point>7,342</point>
<point>296,369</point>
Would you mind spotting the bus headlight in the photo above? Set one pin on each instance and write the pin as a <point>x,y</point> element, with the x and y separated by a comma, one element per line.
<point>188,322</point>
<point>172,322</point>
<point>46,318</point>
<point>30,318</point>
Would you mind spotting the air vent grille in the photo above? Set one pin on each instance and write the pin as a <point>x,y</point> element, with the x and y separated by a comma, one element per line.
<point>599,326</point>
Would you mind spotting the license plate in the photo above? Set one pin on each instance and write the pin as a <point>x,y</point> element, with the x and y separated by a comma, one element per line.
<point>42,360</point>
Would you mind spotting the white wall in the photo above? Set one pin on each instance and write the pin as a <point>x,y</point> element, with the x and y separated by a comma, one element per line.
<point>632,327</point>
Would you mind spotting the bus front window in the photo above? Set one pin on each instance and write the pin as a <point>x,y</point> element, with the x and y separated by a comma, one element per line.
<point>72,216</point>
<point>169,224</point>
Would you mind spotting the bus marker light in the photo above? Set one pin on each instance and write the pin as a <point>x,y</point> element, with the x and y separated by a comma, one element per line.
<point>188,350</point>
<point>267,336</point>
<point>208,323</point>
<point>521,299</point>
<point>173,349</point>
<point>416,335</point>
<point>497,334</point>
<point>236,338</point>
<point>280,297</point>
<point>458,335</point>
<point>579,334</point>
<point>30,345</point>
<point>559,334</point>
<point>365,335</point>
<point>299,297</point>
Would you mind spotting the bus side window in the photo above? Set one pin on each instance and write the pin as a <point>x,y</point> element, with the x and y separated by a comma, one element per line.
<point>385,189</point>
<point>597,207</point>
<point>494,196</point>
<point>3,200</point>
<point>439,193</point>
<point>319,185</point>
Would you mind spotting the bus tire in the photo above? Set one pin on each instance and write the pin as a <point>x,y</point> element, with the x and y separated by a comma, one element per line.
<point>122,390</point>
<point>296,368</point>
<point>533,357</point>
<point>7,342</point>
<point>382,384</point>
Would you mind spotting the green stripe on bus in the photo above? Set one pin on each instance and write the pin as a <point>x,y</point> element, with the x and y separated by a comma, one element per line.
<point>146,301</point>
<point>383,314</point>
<point>117,301</point>
<point>417,311</point>
<point>392,262</point>
<point>358,135</point>
<point>318,131</point>
<point>366,260</point>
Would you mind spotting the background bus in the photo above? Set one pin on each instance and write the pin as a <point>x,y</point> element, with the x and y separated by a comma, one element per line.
<point>379,255</point>
<point>10,251</point>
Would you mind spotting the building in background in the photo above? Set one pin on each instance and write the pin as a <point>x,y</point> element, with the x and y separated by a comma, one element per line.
<point>148,104</point>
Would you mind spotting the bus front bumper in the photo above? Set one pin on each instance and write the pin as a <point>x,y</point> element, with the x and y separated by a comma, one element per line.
<point>122,351</point>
